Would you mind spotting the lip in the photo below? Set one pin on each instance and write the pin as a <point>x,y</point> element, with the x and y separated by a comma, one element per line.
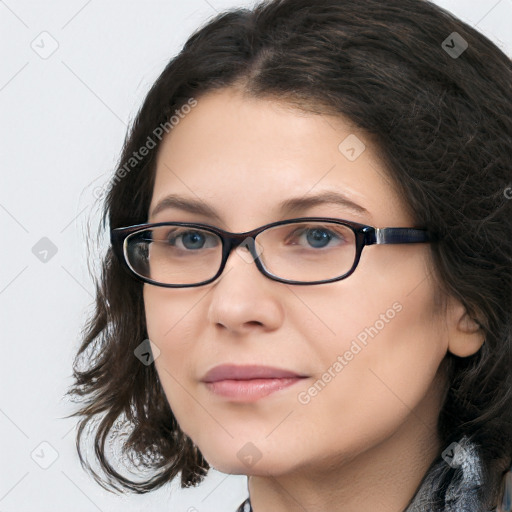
<point>248,383</point>
<point>234,372</point>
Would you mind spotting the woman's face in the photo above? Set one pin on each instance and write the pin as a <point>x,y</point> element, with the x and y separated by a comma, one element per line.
<point>367,347</point>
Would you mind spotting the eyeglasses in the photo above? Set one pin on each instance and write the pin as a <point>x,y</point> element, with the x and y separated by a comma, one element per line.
<point>304,251</point>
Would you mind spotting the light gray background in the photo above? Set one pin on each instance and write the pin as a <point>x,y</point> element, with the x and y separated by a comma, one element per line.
<point>63,121</point>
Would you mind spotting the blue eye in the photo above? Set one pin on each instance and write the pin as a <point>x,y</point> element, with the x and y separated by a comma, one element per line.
<point>191,239</point>
<point>317,237</point>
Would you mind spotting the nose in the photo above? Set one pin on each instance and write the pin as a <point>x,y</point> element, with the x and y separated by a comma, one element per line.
<point>243,297</point>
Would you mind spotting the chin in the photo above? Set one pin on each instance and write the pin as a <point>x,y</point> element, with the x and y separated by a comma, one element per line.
<point>245,458</point>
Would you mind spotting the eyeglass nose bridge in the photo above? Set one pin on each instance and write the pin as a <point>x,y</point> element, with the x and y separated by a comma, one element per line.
<point>240,241</point>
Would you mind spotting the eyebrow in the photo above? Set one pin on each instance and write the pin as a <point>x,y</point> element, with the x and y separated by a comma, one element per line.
<point>287,207</point>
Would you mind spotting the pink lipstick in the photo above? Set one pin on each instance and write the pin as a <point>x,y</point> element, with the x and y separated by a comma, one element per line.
<point>248,383</point>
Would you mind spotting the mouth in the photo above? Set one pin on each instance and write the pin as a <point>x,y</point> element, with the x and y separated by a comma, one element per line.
<point>248,383</point>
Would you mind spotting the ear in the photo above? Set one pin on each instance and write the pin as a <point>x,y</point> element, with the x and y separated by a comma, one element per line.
<point>466,336</point>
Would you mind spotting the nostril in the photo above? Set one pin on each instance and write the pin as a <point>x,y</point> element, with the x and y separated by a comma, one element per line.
<point>254,322</point>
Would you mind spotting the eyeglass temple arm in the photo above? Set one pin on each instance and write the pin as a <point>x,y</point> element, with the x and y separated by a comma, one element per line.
<point>398,236</point>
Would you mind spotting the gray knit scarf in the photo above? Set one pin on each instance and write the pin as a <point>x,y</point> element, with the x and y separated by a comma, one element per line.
<point>452,483</point>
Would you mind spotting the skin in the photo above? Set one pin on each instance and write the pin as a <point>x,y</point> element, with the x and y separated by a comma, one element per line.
<point>367,438</point>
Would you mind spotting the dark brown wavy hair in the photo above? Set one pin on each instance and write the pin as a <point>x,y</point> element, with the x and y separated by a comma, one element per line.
<point>443,128</point>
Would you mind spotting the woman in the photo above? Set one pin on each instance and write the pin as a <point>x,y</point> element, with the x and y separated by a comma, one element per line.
<point>247,319</point>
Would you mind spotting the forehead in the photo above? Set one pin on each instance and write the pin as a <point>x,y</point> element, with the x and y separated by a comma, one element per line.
<point>244,156</point>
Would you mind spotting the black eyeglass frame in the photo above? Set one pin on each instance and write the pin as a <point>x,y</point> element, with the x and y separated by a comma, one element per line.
<point>364,235</point>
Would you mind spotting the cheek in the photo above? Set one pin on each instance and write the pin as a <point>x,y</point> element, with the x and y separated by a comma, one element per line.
<point>378,367</point>
<point>167,317</point>
<point>376,351</point>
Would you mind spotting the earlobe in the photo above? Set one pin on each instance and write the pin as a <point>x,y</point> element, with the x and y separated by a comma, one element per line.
<point>466,335</point>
